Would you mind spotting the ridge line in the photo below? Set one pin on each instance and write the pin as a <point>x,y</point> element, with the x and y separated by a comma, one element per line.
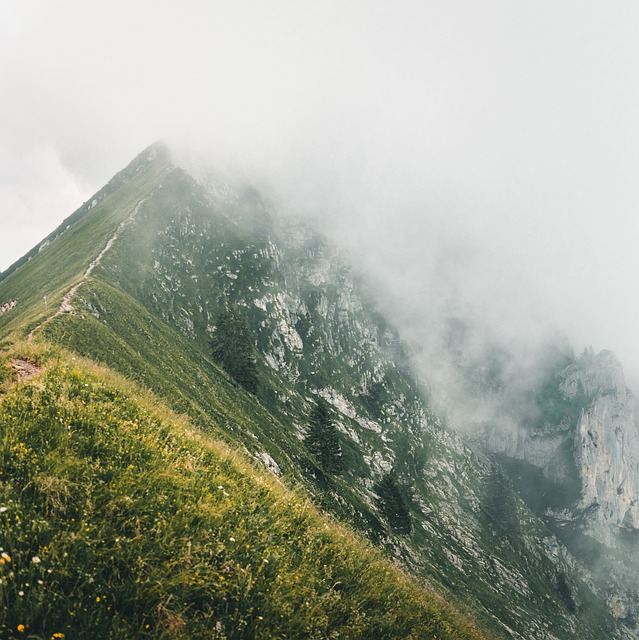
<point>65,305</point>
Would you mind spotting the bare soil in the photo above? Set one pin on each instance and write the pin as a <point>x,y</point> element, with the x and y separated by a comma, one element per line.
<point>25,368</point>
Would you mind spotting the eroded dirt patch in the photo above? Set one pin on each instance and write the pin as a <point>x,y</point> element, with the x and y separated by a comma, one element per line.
<point>25,369</point>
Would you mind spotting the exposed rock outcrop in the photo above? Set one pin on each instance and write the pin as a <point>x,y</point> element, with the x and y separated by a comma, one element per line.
<point>606,445</point>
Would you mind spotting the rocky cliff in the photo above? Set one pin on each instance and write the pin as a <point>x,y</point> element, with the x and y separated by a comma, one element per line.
<point>606,445</point>
<point>573,455</point>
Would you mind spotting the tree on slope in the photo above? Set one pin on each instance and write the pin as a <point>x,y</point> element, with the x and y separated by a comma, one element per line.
<point>232,346</point>
<point>565,594</point>
<point>322,438</point>
<point>393,504</point>
<point>499,503</point>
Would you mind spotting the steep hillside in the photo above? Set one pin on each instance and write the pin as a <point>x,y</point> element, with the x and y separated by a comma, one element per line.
<point>120,521</point>
<point>139,282</point>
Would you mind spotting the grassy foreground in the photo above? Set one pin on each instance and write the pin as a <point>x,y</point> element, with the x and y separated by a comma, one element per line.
<point>118,520</point>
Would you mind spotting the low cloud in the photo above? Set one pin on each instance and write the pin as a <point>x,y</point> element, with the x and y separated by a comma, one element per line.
<point>479,159</point>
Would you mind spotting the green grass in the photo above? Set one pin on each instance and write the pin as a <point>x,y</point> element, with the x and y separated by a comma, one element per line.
<point>119,520</point>
<point>52,271</point>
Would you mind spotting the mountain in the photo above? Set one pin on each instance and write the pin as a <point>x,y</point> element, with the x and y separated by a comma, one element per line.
<point>570,443</point>
<point>147,280</point>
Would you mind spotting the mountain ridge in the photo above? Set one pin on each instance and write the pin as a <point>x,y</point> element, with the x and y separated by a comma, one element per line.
<point>147,309</point>
<point>151,152</point>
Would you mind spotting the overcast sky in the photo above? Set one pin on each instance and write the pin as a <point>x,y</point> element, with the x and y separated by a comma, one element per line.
<point>494,144</point>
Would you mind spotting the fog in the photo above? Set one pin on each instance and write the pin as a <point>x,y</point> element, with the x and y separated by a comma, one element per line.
<point>477,158</point>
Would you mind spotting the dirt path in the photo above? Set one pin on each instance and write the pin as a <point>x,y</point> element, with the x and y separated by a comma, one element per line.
<point>65,305</point>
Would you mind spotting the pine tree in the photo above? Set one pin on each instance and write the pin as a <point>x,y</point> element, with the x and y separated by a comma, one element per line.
<point>499,503</point>
<point>322,439</point>
<point>565,594</point>
<point>233,347</point>
<point>393,504</point>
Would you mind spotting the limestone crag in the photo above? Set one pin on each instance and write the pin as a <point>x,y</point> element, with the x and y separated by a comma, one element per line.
<point>606,445</point>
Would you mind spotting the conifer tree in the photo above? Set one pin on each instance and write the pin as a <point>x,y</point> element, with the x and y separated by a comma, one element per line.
<point>393,504</point>
<point>565,594</point>
<point>499,503</point>
<point>322,439</point>
<point>233,347</point>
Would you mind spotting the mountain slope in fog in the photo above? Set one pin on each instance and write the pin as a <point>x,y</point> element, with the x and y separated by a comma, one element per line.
<point>139,283</point>
<point>569,439</point>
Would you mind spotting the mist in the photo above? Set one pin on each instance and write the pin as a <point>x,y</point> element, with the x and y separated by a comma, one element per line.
<point>477,159</point>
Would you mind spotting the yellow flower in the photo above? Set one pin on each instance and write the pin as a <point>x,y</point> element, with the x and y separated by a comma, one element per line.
<point>21,628</point>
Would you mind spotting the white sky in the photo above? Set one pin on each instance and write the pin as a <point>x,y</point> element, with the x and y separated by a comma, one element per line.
<point>494,144</point>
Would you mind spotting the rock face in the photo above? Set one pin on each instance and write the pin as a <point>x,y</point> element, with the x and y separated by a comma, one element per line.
<point>573,456</point>
<point>592,427</point>
<point>606,445</point>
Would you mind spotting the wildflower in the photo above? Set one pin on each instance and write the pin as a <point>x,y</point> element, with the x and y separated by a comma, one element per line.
<point>218,626</point>
<point>5,556</point>
<point>3,509</point>
<point>97,599</point>
<point>21,593</point>
<point>21,628</point>
<point>232,539</point>
<point>35,560</point>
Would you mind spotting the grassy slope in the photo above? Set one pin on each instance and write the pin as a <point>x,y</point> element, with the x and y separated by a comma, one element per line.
<point>121,521</point>
<point>52,271</point>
